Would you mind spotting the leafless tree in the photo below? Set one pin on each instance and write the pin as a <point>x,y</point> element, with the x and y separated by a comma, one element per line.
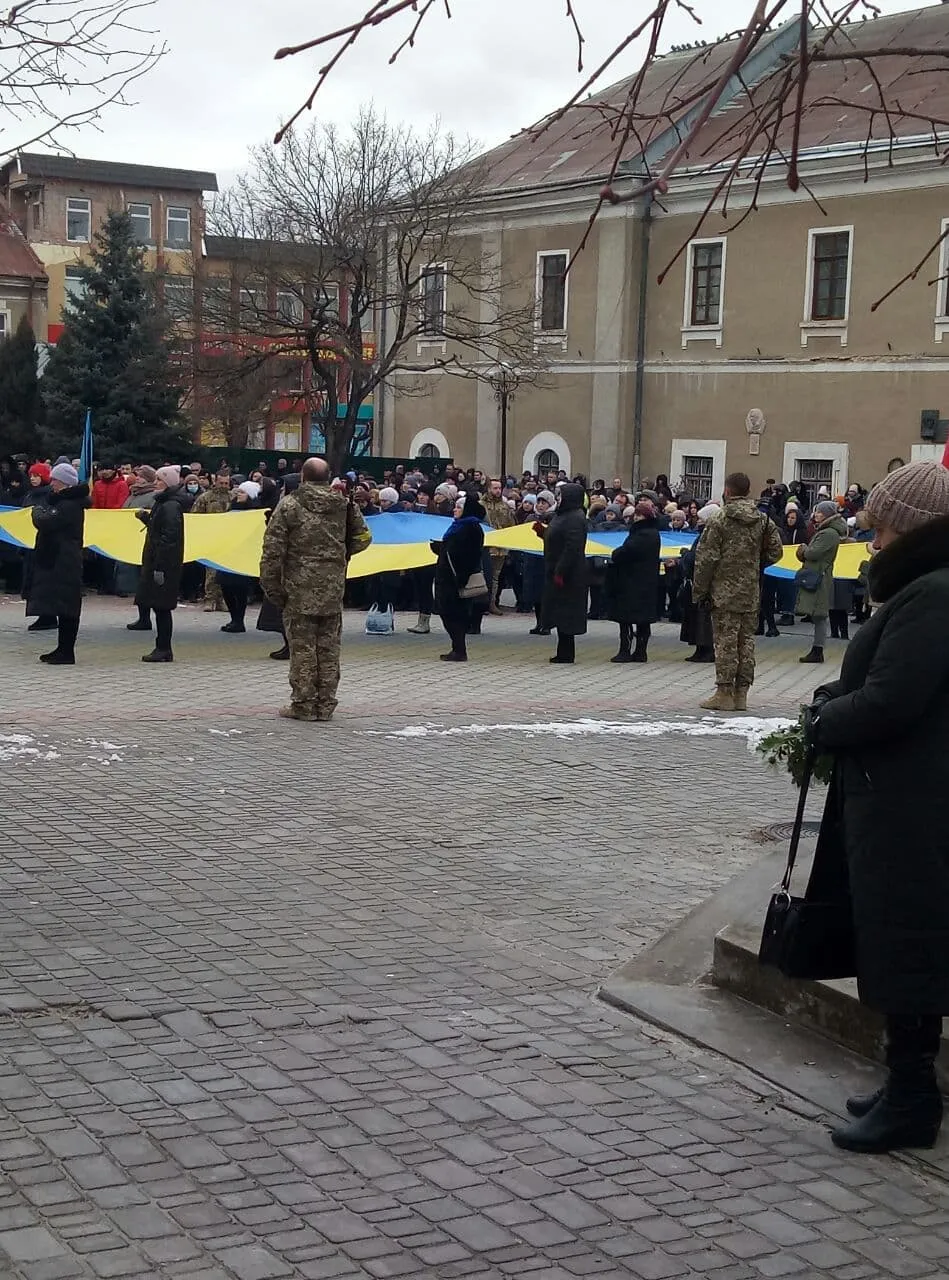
<point>63,61</point>
<point>351,258</point>
<point>763,128</point>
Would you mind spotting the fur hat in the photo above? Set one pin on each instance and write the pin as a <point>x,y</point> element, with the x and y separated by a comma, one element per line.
<point>909,497</point>
<point>66,474</point>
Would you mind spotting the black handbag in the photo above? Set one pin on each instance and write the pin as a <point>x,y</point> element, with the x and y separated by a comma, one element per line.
<point>802,937</point>
<point>809,579</point>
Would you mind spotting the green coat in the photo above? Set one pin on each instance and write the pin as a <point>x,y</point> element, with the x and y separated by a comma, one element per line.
<point>820,554</point>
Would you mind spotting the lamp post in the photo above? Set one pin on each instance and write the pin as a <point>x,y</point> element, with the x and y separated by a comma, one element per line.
<point>505,382</point>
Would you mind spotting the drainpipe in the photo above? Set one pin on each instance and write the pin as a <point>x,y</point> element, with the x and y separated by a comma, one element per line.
<point>644,241</point>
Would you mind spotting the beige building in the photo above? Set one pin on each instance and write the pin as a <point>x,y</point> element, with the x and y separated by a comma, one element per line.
<point>771,312</point>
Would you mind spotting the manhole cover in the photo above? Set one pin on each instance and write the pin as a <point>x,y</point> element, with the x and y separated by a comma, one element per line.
<point>782,830</point>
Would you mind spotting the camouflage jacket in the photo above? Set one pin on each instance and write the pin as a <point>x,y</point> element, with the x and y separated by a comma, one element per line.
<point>308,542</point>
<point>735,546</point>
<point>212,502</point>
<point>499,514</point>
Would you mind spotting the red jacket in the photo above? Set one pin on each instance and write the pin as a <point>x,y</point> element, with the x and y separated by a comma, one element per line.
<point>110,495</point>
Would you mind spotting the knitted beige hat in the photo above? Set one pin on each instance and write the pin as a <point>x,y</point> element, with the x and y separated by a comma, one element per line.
<point>910,496</point>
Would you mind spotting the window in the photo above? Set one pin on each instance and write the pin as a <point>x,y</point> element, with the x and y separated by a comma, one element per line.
<point>74,284</point>
<point>179,298</point>
<point>830,275</point>
<point>78,220</point>
<point>252,300</point>
<point>697,477</point>
<point>178,233</point>
<point>329,299</point>
<point>289,307</point>
<point>814,474</point>
<point>552,292</point>
<point>290,377</point>
<point>37,213</point>
<point>432,290</point>
<point>141,216</point>
<point>705,300</point>
<point>429,451</point>
<point>547,460</point>
<point>4,322</point>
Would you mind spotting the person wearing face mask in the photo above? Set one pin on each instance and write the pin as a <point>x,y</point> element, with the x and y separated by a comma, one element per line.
<point>236,586</point>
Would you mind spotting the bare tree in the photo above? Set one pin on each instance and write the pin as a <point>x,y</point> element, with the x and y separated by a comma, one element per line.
<point>351,256</point>
<point>63,61</point>
<point>763,127</point>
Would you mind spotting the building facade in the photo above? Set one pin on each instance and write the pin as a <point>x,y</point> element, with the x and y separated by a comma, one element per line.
<point>752,343</point>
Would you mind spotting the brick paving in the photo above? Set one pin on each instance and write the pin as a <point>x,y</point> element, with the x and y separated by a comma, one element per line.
<point>284,1000</point>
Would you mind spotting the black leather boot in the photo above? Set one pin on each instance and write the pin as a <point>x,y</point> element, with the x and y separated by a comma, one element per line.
<point>909,1110</point>
<point>863,1103</point>
<point>815,655</point>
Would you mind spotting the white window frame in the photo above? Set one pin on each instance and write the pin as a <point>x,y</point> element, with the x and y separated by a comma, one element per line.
<point>430,340</point>
<point>432,437</point>
<point>547,440</point>
<point>141,204</point>
<point>71,200</point>
<point>826,328</point>
<point>67,294</point>
<point>254,297</point>
<point>717,450</point>
<point>926,452</point>
<point>551,337</point>
<point>297,312</point>
<point>6,319</point>
<point>816,451</point>
<point>942,289</point>
<point>703,332</point>
<point>177,244</point>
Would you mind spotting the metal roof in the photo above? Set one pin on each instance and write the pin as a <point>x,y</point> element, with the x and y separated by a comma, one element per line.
<point>36,165</point>
<point>581,145</point>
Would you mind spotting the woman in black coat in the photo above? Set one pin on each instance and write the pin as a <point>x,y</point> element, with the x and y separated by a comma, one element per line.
<point>884,840</point>
<point>459,556</point>
<point>632,584</point>
<point>565,571</point>
<point>162,559</point>
<point>56,586</point>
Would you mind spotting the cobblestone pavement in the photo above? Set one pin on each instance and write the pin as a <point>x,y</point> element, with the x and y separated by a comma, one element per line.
<point>284,1000</point>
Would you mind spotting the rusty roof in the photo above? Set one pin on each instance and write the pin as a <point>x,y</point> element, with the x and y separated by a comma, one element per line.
<point>580,145</point>
<point>76,169</point>
<point>17,259</point>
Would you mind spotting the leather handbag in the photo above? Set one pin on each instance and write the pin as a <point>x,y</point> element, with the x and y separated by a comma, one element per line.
<point>806,938</point>
<point>476,588</point>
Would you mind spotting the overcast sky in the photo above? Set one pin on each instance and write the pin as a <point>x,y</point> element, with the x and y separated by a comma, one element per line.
<point>496,67</point>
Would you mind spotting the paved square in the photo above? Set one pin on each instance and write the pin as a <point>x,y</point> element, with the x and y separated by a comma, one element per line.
<point>304,1000</point>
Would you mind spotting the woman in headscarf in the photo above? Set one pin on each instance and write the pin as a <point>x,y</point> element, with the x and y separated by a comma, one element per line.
<point>459,556</point>
<point>883,852</point>
<point>565,571</point>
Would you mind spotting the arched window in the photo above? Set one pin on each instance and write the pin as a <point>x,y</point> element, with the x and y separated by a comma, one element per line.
<point>547,460</point>
<point>429,451</point>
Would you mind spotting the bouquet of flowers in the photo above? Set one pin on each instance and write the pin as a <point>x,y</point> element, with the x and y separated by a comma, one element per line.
<point>788,748</point>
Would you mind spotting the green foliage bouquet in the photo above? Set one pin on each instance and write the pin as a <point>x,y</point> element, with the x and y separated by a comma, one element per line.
<point>788,748</point>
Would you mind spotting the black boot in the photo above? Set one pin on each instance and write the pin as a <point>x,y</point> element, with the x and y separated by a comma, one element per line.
<point>639,653</point>
<point>159,655</point>
<point>834,628</point>
<point>786,620</point>
<point>625,644</point>
<point>815,655</point>
<point>281,655</point>
<point>58,659</point>
<point>844,629</point>
<point>863,1103</point>
<point>909,1110</point>
<point>233,628</point>
<point>43,623</point>
<point>144,622</point>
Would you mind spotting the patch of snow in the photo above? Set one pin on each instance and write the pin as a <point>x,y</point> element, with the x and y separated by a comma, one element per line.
<point>751,728</point>
<point>228,733</point>
<point>20,745</point>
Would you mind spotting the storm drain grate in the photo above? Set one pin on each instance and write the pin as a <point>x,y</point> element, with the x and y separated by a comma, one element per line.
<point>782,830</point>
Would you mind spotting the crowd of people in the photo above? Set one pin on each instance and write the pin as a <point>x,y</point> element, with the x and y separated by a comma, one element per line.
<point>560,587</point>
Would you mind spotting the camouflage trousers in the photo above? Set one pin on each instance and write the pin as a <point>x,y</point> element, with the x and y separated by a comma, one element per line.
<point>213,598</point>
<point>314,661</point>
<point>734,635</point>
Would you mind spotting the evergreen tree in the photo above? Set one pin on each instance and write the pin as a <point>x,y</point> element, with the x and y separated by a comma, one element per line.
<point>19,391</point>
<point>115,357</point>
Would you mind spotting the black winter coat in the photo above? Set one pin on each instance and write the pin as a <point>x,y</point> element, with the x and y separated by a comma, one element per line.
<point>56,587</point>
<point>696,619</point>
<point>565,557</point>
<point>459,556</point>
<point>163,552</point>
<point>632,576</point>
<point>885,831</point>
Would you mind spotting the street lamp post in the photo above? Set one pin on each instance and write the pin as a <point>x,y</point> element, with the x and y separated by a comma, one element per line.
<point>505,384</point>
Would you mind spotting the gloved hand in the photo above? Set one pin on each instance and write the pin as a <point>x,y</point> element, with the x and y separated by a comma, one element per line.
<point>158,578</point>
<point>558,581</point>
<point>539,528</point>
<point>142,514</point>
<point>810,717</point>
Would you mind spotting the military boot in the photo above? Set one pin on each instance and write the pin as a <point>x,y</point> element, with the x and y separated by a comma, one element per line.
<point>741,697</point>
<point>723,699</point>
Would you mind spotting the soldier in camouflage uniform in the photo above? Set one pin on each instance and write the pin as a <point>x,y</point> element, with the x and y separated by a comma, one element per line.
<point>214,501</point>
<point>499,516</point>
<point>736,546</point>
<point>310,539</point>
